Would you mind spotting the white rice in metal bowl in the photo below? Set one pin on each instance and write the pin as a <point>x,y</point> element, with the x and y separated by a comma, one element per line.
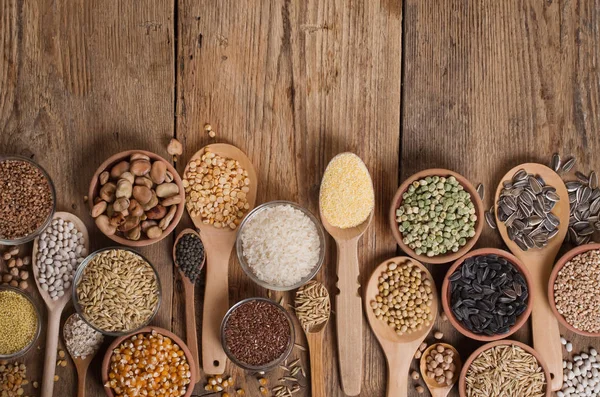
<point>281,245</point>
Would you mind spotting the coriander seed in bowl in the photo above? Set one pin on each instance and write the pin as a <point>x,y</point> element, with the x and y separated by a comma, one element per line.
<point>280,245</point>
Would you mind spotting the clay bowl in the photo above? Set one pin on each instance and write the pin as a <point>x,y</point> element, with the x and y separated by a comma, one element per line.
<point>559,265</point>
<point>462,384</point>
<point>397,201</point>
<point>95,187</point>
<point>446,290</point>
<point>146,330</point>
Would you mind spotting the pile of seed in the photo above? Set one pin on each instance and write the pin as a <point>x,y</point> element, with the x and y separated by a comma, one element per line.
<point>584,197</point>
<point>118,291</point>
<point>17,275</point>
<point>189,256</point>
<point>581,376</point>
<point>440,365</point>
<point>505,371</point>
<point>13,377</point>
<point>525,206</point>
<point>436,216</point>
<point>281,244</point>
<point>18,322</point>
<point>81,339</point>
<point>312,305</point>
<point>257,333</point>
<point>25,199</point>
<point>405,298</point>
<point>347,197</point>
<point>61,248</point>
<point>216,189</point>
<point>577,291</point>
<point>148,365</point>
<point>487,294</point>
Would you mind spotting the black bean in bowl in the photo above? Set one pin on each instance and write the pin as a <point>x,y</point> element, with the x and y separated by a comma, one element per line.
<point>487,294</point>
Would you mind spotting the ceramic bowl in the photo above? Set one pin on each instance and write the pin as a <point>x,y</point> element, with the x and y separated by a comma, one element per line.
<point>462,384</point>
<point>147,330</point>
<point>95,187</point>
<point>446,292</point>
<point>246,267</point>
<point>38,327</point>
<point>559,265</point>
<point>43,226</point>
<point>397,202</point>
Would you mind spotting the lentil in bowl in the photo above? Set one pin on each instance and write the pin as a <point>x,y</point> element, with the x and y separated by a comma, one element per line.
<point>436,216</point>
<point>27,200</point>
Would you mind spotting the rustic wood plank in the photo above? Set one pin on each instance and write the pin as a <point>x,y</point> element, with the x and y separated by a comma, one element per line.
<point>293,83</point>
<point>78,83</point>
<point>489,85</point>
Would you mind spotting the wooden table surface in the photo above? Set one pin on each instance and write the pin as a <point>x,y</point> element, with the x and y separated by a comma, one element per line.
<point>476,87</point>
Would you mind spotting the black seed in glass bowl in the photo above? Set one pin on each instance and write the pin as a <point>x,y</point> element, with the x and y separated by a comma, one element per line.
<point>189,255</point>
<point>487,294</point>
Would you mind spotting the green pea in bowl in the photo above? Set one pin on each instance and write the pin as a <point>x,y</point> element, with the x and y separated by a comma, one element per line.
<point>436,216</point>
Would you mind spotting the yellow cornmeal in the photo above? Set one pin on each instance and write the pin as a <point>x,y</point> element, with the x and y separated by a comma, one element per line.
<point>18,322</point>
<point>347,197</point>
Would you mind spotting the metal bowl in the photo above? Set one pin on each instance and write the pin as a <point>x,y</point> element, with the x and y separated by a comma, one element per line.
<point>38,330</point>
<point>77,279</point>
<point>39,230</point>
<point>273,363</point>
<point>246,267</point>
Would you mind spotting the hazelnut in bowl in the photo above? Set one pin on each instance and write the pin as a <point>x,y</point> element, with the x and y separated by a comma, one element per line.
<point>436,216</point>
<point>136,198</point>
<point>486,294</point>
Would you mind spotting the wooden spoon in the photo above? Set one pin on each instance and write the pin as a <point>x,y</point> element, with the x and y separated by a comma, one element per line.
<point>190,309</point>
<point>218,244</point>
<point>436,389</point>
<point>55,307</point>
<point>399,349</point>
<point>546,334</point>
<point>81,365</point>
<point>314,336</point>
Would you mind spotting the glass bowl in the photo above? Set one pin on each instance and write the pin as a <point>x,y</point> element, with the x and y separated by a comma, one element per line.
<point>246,267</point>
<point>273,363</point>
<point>30,237</point>
<point>38,328</point>
<point>79,274</point>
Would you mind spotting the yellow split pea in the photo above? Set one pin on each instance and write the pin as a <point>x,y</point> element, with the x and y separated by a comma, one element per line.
<point>347,197</point>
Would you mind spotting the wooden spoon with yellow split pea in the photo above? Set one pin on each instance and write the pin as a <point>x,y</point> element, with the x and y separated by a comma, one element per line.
<point>218,243</point>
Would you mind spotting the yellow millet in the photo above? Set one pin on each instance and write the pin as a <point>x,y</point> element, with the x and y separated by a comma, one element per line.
<point>18,322</point>
<point>347,197</point>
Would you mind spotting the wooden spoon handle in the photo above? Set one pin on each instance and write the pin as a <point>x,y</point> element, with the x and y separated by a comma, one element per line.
<point>317,367</point>
<point>190,324</point>
<point>398,362</point>
<point>546,334</point>
<point>81,375</point>
<point>349,317</point>
<point>216,304</point>
<point>50,355</point>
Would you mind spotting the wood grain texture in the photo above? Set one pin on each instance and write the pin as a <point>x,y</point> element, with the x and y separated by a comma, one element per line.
<point>78,83</point>
<point>292,83</point>
<point>490,85</point>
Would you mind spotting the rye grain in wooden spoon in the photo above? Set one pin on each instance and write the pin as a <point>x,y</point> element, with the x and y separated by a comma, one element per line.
<point>218,244</point>
<point>313,300</point>
<point>436,389</point>
<point>348,305</point>
<point>190,308</point>
<point>55,307</point>
<point>399,350</point>
<point>81,364</point>
<point>539,261</point>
